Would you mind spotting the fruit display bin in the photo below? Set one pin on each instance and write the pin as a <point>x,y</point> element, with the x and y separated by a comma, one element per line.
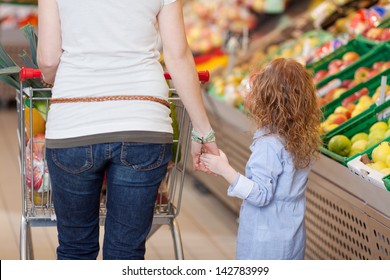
<point>370,42</point>
<point>371,85</point>
<point>381,52</point>
<point>352,45</point>
<point>373,176</point>
<point>360,123</point>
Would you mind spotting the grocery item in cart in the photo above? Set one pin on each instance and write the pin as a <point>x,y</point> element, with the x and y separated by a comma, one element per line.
<point>37,175</point>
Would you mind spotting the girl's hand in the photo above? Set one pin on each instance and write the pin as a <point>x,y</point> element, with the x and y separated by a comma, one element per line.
<point>219,165</point>
<point>216,164</point>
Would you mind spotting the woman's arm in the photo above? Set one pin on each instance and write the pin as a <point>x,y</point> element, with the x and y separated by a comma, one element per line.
<point>49,39</point>
<point>180,64</point>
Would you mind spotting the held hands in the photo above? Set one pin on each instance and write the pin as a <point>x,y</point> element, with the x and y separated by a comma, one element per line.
<point>208,158</point>
<point>202,144</point>
<point>198,149</point>
<point>216,164</point>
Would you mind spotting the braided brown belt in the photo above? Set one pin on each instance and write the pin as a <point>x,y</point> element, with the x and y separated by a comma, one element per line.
<point>110,98</point>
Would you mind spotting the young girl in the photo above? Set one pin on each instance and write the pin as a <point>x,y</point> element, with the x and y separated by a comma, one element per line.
<point>282,102</point>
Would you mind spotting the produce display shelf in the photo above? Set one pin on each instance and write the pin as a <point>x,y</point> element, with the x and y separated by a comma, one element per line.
<point>353,45</point>
<point>371,85</point>
<point>379,53</point>
<point>360,123</point>
<point>369,42</point>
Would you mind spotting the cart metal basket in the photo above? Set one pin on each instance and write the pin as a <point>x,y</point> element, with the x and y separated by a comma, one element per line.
<point>37,205</point>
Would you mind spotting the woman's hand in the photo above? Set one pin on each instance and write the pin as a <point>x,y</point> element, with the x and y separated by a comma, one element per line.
<point>197,149</point>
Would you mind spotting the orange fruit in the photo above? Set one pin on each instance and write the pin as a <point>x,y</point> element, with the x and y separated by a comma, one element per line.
<point>38,123</point>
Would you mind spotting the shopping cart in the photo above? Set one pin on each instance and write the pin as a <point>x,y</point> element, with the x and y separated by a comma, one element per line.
<point>37,205</point>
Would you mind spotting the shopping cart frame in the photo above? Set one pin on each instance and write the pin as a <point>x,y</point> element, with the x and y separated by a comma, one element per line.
<point>167,205</point>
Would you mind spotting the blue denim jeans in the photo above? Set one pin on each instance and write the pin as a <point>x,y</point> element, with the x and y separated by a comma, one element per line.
<point>134,172</point>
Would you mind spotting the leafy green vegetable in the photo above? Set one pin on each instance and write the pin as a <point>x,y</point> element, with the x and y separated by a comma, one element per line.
<point>9,70</point>
<point>176,131</point>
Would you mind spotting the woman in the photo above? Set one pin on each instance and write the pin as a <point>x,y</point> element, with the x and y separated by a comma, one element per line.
<point>109,114</point>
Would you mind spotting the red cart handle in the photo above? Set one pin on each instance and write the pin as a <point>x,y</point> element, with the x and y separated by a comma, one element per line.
<point>204,76</point>
<point>31,73</point>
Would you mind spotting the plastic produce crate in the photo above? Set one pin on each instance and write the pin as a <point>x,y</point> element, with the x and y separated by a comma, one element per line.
<point>378,53</point>
<point>352,45</point>
<point>360,123</point>
<point>375,177</point>
<point>369,42</point>
<point>371,85</point>
<point>386,182</point>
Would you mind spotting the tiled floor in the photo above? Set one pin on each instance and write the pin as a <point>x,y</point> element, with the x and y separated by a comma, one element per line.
<point>208,228</point>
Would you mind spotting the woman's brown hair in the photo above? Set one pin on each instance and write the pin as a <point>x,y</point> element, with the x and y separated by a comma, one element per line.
<point>282,98</point>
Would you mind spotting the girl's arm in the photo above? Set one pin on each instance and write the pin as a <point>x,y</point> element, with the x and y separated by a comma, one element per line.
<point>264,168</point>
<point>180,64</point>
<point>49,39</point>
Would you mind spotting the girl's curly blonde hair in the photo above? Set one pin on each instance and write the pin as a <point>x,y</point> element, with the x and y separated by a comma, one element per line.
<point>282,98</point>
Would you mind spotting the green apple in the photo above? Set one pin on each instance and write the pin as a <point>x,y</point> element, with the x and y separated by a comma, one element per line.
<point>358,147</point>
<point>340,144</point>
<point>372,141</point>
<point>359,136</point>
<point>377,133</point>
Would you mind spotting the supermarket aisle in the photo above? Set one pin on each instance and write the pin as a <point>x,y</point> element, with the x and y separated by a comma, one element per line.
<point>208,228</point>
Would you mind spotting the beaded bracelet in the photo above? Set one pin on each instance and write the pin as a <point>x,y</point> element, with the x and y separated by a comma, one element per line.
<point>46,85</point>
<point>210,137</point>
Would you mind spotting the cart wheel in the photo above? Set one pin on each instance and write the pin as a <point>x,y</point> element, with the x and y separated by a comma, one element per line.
<point>200,186</point>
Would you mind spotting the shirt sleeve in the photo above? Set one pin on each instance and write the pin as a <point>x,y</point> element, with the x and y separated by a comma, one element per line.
<point>263,170</point>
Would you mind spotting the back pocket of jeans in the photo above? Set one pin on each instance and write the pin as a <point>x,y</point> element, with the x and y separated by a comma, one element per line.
<point>73,160</point>
<point>145,156</point>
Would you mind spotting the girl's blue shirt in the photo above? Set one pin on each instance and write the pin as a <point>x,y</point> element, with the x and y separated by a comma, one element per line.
<point>271,224</point>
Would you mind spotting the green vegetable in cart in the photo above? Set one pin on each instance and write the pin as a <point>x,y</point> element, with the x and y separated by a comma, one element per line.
<point>176,131</point>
